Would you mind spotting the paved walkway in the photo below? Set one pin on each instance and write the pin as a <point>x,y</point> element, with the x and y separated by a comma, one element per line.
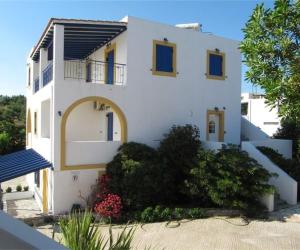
<point>213,233</point>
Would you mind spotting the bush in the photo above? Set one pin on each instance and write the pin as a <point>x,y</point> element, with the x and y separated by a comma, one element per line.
<point>19,188</point>
<point>25,188</point>
<point>290,166</point>
<point>158,214</point>
<point>8,190</point>
<point>110,207</point>
<point>230,178</point>
<point>178,150</point>
<point>138,176</point>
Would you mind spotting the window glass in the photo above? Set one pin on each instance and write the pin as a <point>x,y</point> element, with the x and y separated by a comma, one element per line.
<point>212,127</point>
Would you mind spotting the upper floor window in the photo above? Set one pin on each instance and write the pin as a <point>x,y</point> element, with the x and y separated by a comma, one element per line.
<point>215,65</point>
<point>164,58</point>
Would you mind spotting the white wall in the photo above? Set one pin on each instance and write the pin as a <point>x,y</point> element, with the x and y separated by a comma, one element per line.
<point>87,124</point>
<point>261,115</point>
<point>251,132</point>
<point>285,185</point>
<point>283,147</point>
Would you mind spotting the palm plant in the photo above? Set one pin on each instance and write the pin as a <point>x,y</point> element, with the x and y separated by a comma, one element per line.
<point>81,233</point>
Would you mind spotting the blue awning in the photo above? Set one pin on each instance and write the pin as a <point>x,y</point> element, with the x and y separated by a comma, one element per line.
<point>20,163</point>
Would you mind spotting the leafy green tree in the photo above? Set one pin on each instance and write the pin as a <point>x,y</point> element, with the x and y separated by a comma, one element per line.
<point>271,50</point>
<point>12,123</point>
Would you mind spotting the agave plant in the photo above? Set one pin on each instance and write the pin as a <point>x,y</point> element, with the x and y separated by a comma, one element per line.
<point>81,233</point>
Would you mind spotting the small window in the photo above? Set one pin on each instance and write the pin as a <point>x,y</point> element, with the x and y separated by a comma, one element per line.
<point>164,58</point>
<point>211,127</point>
<point>35,123</point>
<point>215,65</point>
<point>244,108</point>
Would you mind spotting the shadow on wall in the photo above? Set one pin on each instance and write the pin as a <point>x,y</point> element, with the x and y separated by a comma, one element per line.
<point>250,132</point>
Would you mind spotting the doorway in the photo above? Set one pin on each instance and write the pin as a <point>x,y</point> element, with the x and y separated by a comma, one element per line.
<point>215,126</point>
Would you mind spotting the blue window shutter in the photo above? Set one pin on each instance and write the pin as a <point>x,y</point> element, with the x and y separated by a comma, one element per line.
<point>110,124</point>
<point>110,67</point>
<point>164,58</point>
<point>215,65</point>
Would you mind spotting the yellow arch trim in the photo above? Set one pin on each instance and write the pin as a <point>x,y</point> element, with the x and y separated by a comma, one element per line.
<point>66,114</point>
<point>28,125</point>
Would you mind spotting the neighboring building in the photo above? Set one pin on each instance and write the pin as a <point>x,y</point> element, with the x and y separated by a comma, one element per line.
<point>261,121</point>
<point>93,85</point>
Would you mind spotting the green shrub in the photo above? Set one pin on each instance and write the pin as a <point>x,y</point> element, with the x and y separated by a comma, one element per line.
<point>178,150</point>
<point>26,188</point>
<point>8,190</point>
<point>196,213</point>
<point>230,178</point>
<point>137,176</point>
<point>290,166</point>
<point>179,213</point>
<point>148,215</point>
<point>19,188</point>
<point>167,214</point>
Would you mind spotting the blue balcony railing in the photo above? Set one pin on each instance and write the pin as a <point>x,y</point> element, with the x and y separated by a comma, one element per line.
<point>36,84</point>
<point>47,74</point>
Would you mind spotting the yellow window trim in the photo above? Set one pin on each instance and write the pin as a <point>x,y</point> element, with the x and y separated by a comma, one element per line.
<point>208,76</point>
<point>162,73</point>
<point>221,115</point>
<point>106,51</point>
<point>65,116</point>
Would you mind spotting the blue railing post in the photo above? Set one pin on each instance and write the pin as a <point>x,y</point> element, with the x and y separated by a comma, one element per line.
<point>36,84</point>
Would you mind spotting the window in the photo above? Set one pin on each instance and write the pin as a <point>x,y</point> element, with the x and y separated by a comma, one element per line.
<point>271,123</point>
<point>244,108</point>
<point>35,123</point>
<point>37,178</point>
<point>215,65</point>
<point>29,76</point>
<point>50,52</point>
<point>211,127</point>
<point>164,58</point>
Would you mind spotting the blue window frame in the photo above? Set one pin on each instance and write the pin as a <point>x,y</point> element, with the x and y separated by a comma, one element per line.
<point>164,58</point>
<point>215,65</point>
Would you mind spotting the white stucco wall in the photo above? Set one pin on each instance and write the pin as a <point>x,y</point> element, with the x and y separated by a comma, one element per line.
<point>285,185</point>
<point>260,115</point>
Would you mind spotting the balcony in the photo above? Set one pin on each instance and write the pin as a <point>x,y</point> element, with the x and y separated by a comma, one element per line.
<point>47,74</point>
<point>90,152</point>
<point>95,71</point>
<point>36,84</point>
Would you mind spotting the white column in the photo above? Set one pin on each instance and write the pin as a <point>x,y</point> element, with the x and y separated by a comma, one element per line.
<point>58,53</point>
<point>43,64</point>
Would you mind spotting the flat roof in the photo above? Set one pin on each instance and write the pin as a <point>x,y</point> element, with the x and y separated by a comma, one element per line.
<point>81,37</point>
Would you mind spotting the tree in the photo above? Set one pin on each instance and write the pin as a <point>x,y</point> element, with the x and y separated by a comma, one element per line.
<point>271,50</point>
<point>12,123</point>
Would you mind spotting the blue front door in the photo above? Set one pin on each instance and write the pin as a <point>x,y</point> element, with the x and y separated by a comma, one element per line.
<point>110,124</point>
<point>110,67</point>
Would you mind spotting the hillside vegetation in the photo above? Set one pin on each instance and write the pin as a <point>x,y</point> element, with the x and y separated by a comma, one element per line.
<point>12,123</point>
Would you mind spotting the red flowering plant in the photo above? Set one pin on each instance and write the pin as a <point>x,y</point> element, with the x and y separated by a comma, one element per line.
<point>110,207</point>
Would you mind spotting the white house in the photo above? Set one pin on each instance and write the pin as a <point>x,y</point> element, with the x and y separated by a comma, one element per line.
<point>93,85</point>
<point>259,120</point>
